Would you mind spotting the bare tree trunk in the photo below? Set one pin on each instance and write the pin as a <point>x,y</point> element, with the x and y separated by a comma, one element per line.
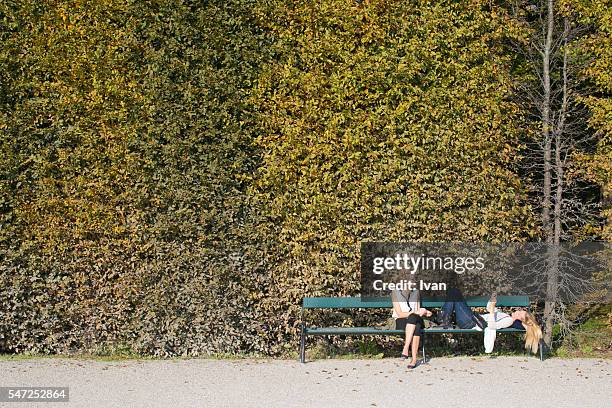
<point>559,132</point>
<point>552,286</point>
<point>547,123</point>
<point>546,203</point>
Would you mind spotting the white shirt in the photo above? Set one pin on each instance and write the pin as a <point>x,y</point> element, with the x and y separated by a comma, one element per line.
<point>406,305</point>
<point>498,320</point>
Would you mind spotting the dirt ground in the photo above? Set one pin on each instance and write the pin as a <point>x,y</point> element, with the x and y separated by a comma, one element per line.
<point>451,382</point>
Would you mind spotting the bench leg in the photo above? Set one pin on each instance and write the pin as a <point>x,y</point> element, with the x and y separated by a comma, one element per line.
<point>541,350</point>
<point>302,347</point>
<point>423,348</point>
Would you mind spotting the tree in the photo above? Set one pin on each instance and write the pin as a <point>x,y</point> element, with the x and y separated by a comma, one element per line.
<point>557,93</point>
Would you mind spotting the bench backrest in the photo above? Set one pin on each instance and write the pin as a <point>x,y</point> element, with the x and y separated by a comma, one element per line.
<point>357,303</point>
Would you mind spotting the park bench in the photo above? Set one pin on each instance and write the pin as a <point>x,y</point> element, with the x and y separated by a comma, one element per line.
<point>357,303</point>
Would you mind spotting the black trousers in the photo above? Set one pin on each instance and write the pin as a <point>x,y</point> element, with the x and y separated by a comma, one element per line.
<point>401,322</point>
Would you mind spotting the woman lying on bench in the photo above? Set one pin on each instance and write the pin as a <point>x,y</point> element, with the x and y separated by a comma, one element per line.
<point>490,322</point>
<point>408,315</point>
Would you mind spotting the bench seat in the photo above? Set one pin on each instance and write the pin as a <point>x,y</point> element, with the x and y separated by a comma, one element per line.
<point>328,331</point>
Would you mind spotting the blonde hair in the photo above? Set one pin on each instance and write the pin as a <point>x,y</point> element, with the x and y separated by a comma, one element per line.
<point>533,333</point>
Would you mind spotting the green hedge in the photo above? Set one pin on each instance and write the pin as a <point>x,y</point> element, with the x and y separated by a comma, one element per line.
<point>125,141</point>
<point>176,175</point>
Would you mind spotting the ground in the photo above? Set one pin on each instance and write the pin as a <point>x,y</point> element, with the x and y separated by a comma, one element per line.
<point>450,382</point>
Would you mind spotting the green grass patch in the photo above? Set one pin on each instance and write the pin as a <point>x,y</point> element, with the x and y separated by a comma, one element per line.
<point>592,338</point>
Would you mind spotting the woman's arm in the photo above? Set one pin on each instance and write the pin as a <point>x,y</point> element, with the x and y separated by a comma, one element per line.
<point>415,304</point>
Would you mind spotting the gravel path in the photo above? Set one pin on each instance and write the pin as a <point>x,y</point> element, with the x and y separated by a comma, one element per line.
<point>452,382</point>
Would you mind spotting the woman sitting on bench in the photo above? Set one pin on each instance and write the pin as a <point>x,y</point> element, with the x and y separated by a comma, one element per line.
<point>408,315</point>
<point>490,322</point>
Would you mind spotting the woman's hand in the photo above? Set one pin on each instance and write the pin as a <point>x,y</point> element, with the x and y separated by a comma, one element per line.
<point>424,312</point>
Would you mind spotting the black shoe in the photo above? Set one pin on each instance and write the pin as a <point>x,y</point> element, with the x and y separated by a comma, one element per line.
<point>479,321</point>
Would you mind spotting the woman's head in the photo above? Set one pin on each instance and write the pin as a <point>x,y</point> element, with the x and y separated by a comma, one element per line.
<point>533,332</point>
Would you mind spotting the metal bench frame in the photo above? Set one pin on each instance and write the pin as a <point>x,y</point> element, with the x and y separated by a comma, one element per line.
<point>357,303</point>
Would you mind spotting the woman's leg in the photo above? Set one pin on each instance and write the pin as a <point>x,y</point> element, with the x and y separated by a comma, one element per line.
<point>409,334</point>
<point>447,310</point>
<point>463,314</point>
<point>415,349</point>
<point>453,297</point>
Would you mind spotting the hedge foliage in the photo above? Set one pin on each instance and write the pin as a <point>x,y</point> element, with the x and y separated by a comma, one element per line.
<point>122,194</point>
<point>176,175</point>
<point>388,122</point>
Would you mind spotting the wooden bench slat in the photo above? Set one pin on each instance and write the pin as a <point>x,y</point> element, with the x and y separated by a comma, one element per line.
<point>358,303</point>
<point>441,330</point>
<point>379,331</point>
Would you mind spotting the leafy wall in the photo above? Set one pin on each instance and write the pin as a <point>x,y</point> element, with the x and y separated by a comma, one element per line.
<point>176,175</point>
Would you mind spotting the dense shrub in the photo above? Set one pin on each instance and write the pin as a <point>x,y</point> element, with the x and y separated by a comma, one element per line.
<point>125,138</point>
<point>383,121</point>
<point>176,175</point>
